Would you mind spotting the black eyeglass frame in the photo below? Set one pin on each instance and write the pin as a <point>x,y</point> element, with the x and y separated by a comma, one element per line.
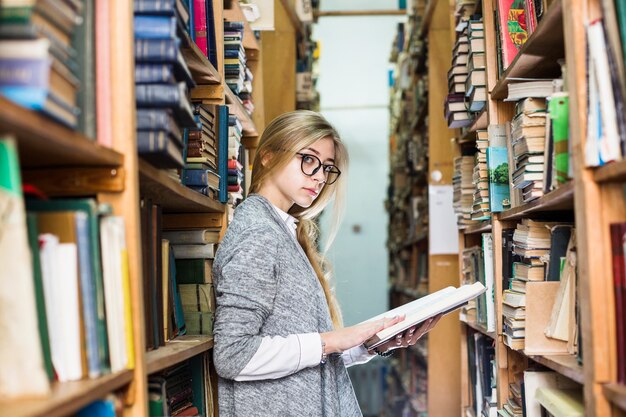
<point>320,164</point>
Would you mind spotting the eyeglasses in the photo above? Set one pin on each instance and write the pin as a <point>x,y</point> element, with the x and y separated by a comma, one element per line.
<point>311,164</point>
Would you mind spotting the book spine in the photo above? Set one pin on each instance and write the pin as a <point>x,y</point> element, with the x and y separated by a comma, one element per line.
<point>617,233</point>
<point>154,73</point>
<point>158,7</point>
<point>158,95</point>
<point>154,119</point>
<point>33,73</point>
<point>154,27</point>
<point>196,177</point>
<point>151,141</point>
<point>558,108</point>
<point>194,251</point>
<point>200,25</point>
<point>156,50</point>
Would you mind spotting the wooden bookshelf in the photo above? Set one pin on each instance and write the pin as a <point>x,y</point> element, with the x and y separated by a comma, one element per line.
<point>427,18</point>
<point>558,200</point>
<point>480,329</point>
<point>482,227</point>
<point>481,121</point>
<point>250,42</point>
<point>616,394</point>
<point>236,107</point>
<point>170,194</point>
<point>202,70</point>
<point>44,143</point>
<point>564,364</point>
<point>68,397</point>
<point>538,56</point>
<point>176,351</point>
<point>612,172</point>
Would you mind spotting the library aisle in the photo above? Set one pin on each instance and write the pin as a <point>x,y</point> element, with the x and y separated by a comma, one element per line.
<point>487,180</point>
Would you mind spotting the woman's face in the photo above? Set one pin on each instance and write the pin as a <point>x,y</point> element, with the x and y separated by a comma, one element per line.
<point>293,185</point>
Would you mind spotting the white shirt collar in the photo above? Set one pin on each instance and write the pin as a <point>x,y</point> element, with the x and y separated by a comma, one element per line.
<point>289,220</point>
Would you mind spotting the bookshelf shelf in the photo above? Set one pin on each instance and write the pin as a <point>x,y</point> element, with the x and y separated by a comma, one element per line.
<point>538,56</point>
<point>68,397</point>
<point>613,172</point>
<point>171,195</point>
<point>202,70</point>
<point>44,143</point>
<point>616,393</point>
<point>249,129</point>
<point>468,138</point>
<point>481,121</point>
<point>482,227</point>
<point>176,351</point>
<point>250,43</point>
<point>564,364</point>
<point>479,328</point>
<point>560,199</point>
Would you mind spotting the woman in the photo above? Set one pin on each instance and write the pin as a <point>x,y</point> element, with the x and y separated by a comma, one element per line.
<point>280,349</point>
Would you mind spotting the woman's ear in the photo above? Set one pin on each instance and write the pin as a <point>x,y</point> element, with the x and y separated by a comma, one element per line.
<point>266,158</point>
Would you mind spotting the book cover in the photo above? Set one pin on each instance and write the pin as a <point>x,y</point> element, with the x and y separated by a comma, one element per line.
<point>513,29</point>
<point>200,25</point>
<point>619,278</point>
<point>558,110</point>
<point>22,368</point>
<point>498,165</point>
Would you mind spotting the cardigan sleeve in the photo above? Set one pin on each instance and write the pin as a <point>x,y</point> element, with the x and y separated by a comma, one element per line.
<point>246,283</point>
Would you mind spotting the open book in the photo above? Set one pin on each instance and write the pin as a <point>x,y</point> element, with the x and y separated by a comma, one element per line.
<point>418,311</point>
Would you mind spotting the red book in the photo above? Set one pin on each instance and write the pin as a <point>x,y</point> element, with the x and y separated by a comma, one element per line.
<point>234,164</point>
<point>617,237</point>
<point>513,29</point>
<point>199,21</point>
<point>191,411</point>
<point>234,188</point>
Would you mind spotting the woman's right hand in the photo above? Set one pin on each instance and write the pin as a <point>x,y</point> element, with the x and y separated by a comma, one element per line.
<point>348,337</point>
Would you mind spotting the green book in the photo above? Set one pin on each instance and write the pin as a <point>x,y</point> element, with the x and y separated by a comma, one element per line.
<point>561,402</point>
<point>193,271</point>
<point>558,108</point>
<point>33,241</point>
<point>89,207</point>
<point>22,368</point>
<point>198,386</point>
<point>620,7</point>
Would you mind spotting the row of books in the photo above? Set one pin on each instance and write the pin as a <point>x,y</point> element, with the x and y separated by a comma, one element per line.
<point>618,249</point>
<point>177,273</point>
<point>68,307</point>
<point>45,59</point>
<point>482,374</point>
<point>238,75</point>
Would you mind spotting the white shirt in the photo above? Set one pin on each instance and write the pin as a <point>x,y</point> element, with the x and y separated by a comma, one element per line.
<point>279,356</point>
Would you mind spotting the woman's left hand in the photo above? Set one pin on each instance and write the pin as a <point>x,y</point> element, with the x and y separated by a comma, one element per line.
<point>410,336</point>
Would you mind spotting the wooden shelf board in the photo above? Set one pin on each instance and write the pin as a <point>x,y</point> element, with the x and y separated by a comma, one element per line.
<point>481,121</point>
<point>468,138</point>
<point>44,143</point>
<point>482,227</point>
<point>564,364</point>
<point>202,70</point>
<point>428,17</point>
<point>479,329</point>
<point>235,14</point>
<point>236,107</point>
<point>538,56</point>
<point>612,172</point>
<point>67,398</point>
<point>171,195</point>
<point>616,393</point>
<point>176,351</point>
<point>560,199</point>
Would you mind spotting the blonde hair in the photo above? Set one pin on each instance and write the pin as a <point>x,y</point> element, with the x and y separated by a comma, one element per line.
<point>286,135</point>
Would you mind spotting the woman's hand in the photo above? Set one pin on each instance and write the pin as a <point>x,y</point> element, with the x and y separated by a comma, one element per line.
<point>410,336</point>
<point>349,337</point>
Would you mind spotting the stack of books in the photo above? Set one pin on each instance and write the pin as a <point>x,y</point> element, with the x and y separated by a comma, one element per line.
<point>480,178</point>
<point>235,190</point>
<point>478,267</point>
<point>39,63</point>
<point>463,196</point>
<point>456,111</point>
<point>528,140</point>
<point>162,82</point>
<point>179,390</point>
<point>476,80</point>
<point>514,405</point>
<point>200,171</point>
<point>235,177</point>
<point>234,56</point>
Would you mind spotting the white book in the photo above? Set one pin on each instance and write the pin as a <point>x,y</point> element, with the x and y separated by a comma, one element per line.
<point>443,301</point>
<point>489,281</point>
<point>206,251</point>
<point>534,380</point>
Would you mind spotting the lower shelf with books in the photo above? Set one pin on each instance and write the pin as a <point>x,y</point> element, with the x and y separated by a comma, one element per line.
<point>176,351</point>
<point>482,227</point>
<point>566,365</point>
<point>616,393</point>
<point>68,397</point>
<point>171,195</point>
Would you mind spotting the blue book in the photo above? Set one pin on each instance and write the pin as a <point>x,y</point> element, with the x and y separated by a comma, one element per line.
<point>179,316</point>
<point>88,294</point>
<point>155,7</point>
<point>158,148</point>
<point>166,96</point>
<point>154,73</point>
<point>196,177</point>
<point>222,153</point>
<point>158,119</point>
<point>155,27</point>
<point>498,167</point>
<point>99,408</point>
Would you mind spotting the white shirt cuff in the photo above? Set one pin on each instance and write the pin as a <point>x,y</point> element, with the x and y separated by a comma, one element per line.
<point>356,356</point>
<point>310,350</point>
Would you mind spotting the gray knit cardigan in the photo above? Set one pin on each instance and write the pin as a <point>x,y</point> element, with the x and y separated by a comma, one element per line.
<point>266,286</point>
